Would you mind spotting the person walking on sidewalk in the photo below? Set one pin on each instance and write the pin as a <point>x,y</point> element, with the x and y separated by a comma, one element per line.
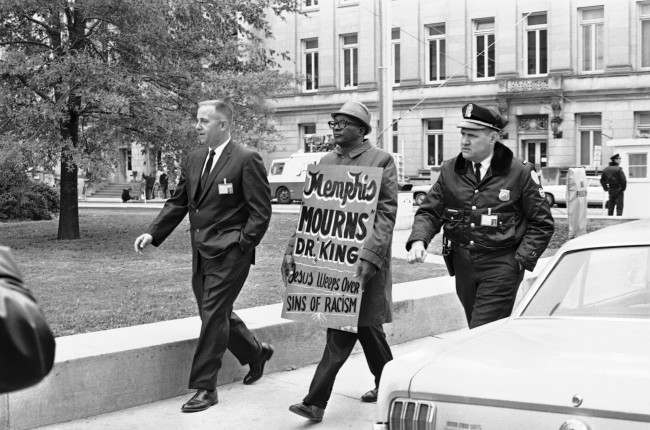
<point>495,216</point>
<point>350,124</point>
<point>224,188</point>
<point>613,181</point>
<point>164,182</point>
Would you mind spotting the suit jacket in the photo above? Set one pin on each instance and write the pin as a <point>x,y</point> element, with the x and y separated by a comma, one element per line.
<point>219,220</point>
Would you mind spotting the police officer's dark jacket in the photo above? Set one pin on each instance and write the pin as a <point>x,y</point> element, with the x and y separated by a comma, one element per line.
<point>613,178</point>
<point>506,210</point>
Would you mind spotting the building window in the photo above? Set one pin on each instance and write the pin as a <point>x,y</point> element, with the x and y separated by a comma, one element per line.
<point>644,14</point>
<point>129,159</point>
<point>307,134</point>
<point>310,3</point>
<point>484,58</point>
<point>395,36</point>
<point>591,39</point>
<point>536,43</point>
<point>589,130</point>
<point>435,40</point>
<point>395,137</point>
<point>638,165</point>
<point>642,124</point>
<point>310,66</point>
<point>350,61</point>
<point>433,136</point>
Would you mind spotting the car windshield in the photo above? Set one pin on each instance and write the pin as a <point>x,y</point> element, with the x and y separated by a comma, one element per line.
<point>605,282</point>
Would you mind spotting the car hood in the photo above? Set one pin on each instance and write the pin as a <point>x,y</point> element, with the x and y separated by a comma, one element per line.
<point>545,361</point>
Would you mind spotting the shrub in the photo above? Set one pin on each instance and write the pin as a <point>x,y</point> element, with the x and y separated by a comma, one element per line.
<point>50,195</point>
<point>9,207</point>
<point>34,206</point>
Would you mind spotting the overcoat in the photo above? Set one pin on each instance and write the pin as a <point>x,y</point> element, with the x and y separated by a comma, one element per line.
<point>377,298</point>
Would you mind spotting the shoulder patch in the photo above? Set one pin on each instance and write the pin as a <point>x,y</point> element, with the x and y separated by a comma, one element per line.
<point>534,177</point>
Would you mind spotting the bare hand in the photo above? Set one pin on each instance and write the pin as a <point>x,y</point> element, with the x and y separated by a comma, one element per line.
<point>417,253</point>
<point>288,267</point>
<point>365,271</point>
<point>142,242</point>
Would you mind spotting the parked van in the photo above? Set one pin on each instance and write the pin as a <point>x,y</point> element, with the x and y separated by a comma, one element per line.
<point>287,175</point>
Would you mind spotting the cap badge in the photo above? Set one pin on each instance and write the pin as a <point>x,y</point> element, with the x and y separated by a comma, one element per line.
<point>504,195</point>
<point>468,110</point>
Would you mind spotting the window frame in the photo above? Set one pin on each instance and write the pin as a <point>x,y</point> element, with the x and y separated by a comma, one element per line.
<point>437,38</point>
<point>485,34</point>
<point>646,166</point>
<point>311,7</point>
<point>439,148</point>
<point>537,28</point>
<point>642,16</point>
<point>354,48</point>
<point>396,47</point>
<point>592,129</point>
<point>313,52</point>
<point>638,125</point>
<point>592,23</point>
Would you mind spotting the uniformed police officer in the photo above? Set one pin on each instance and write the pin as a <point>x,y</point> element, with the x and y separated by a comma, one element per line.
<point>614,182</point>
<point>495,218</point>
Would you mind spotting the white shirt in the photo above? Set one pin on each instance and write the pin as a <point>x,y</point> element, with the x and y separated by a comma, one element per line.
<point>217,153</point>
<point>485,165</point>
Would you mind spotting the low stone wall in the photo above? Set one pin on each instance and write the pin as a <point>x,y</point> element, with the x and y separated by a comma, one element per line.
<point>115,369</point>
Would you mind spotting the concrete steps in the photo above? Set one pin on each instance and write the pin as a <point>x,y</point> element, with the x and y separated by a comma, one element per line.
<point>110,191</point>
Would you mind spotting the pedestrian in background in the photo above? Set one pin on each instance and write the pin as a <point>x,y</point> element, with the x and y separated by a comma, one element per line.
<point>224,189</point>
<point>613,181</point>
<point>149,182</point>
<point>164,182</point>
<point>496,219</point>
<point>350,125</point>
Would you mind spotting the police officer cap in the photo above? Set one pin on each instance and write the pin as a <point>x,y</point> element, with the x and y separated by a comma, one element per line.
<point>615,156</point>
<point>478,117</point>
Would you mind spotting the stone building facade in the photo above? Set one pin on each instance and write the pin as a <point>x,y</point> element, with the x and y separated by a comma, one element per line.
<point>568,74</point>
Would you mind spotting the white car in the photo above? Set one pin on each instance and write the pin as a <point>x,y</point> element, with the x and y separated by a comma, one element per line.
<point>575,354</point>
<point>556,194</point>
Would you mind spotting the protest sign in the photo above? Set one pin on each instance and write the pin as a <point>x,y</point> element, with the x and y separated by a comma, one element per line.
<point>337,215</point>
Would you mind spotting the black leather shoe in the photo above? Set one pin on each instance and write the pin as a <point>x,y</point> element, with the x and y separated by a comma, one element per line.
<point>201,401</point>
<point>370,396</point>
<point>312,412</point>
<point>257,367</point>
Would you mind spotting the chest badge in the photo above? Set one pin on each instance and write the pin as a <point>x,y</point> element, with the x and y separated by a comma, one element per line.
<point>504,195</point>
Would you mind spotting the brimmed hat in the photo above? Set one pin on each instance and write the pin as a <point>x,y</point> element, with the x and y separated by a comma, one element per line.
<point>478,117</point>
<point>615,156</point>
<point>356,110</point>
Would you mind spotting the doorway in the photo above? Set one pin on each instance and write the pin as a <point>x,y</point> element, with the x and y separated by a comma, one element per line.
<point>534,151</point>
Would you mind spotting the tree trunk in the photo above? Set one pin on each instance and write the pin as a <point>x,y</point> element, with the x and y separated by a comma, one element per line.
<point>69,215</point>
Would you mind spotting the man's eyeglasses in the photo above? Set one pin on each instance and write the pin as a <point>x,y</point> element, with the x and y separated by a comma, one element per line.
<point>342,123</point>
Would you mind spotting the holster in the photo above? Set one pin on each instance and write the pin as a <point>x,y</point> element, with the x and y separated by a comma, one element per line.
<point>447,252</point>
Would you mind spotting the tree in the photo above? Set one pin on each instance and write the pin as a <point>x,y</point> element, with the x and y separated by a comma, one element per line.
<point>80,78</point>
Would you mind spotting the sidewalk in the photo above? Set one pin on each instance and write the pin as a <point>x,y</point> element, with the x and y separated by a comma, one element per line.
<point>261,406</point>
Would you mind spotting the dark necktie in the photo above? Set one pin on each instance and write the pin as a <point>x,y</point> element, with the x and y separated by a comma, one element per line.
<point>477,171</point>
<point>206,171</point>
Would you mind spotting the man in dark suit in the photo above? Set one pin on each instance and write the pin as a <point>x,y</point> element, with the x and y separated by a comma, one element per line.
<point>224,188</point>
<point>614,182</point>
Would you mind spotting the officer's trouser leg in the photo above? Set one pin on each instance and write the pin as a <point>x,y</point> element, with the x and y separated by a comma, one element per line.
<point>486,284</point>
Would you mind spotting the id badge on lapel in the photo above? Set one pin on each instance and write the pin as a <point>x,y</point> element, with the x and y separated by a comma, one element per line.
<point>226,187</point>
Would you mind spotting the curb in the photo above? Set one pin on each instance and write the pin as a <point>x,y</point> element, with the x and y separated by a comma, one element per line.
<point>105,371</point>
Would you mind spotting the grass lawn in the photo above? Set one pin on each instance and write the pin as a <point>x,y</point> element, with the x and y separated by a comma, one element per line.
<point>99,282</point>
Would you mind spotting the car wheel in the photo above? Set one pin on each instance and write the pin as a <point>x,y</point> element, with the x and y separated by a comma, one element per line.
<point>283,195</point>
<point>550,199</point>
<point>418,198</point>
